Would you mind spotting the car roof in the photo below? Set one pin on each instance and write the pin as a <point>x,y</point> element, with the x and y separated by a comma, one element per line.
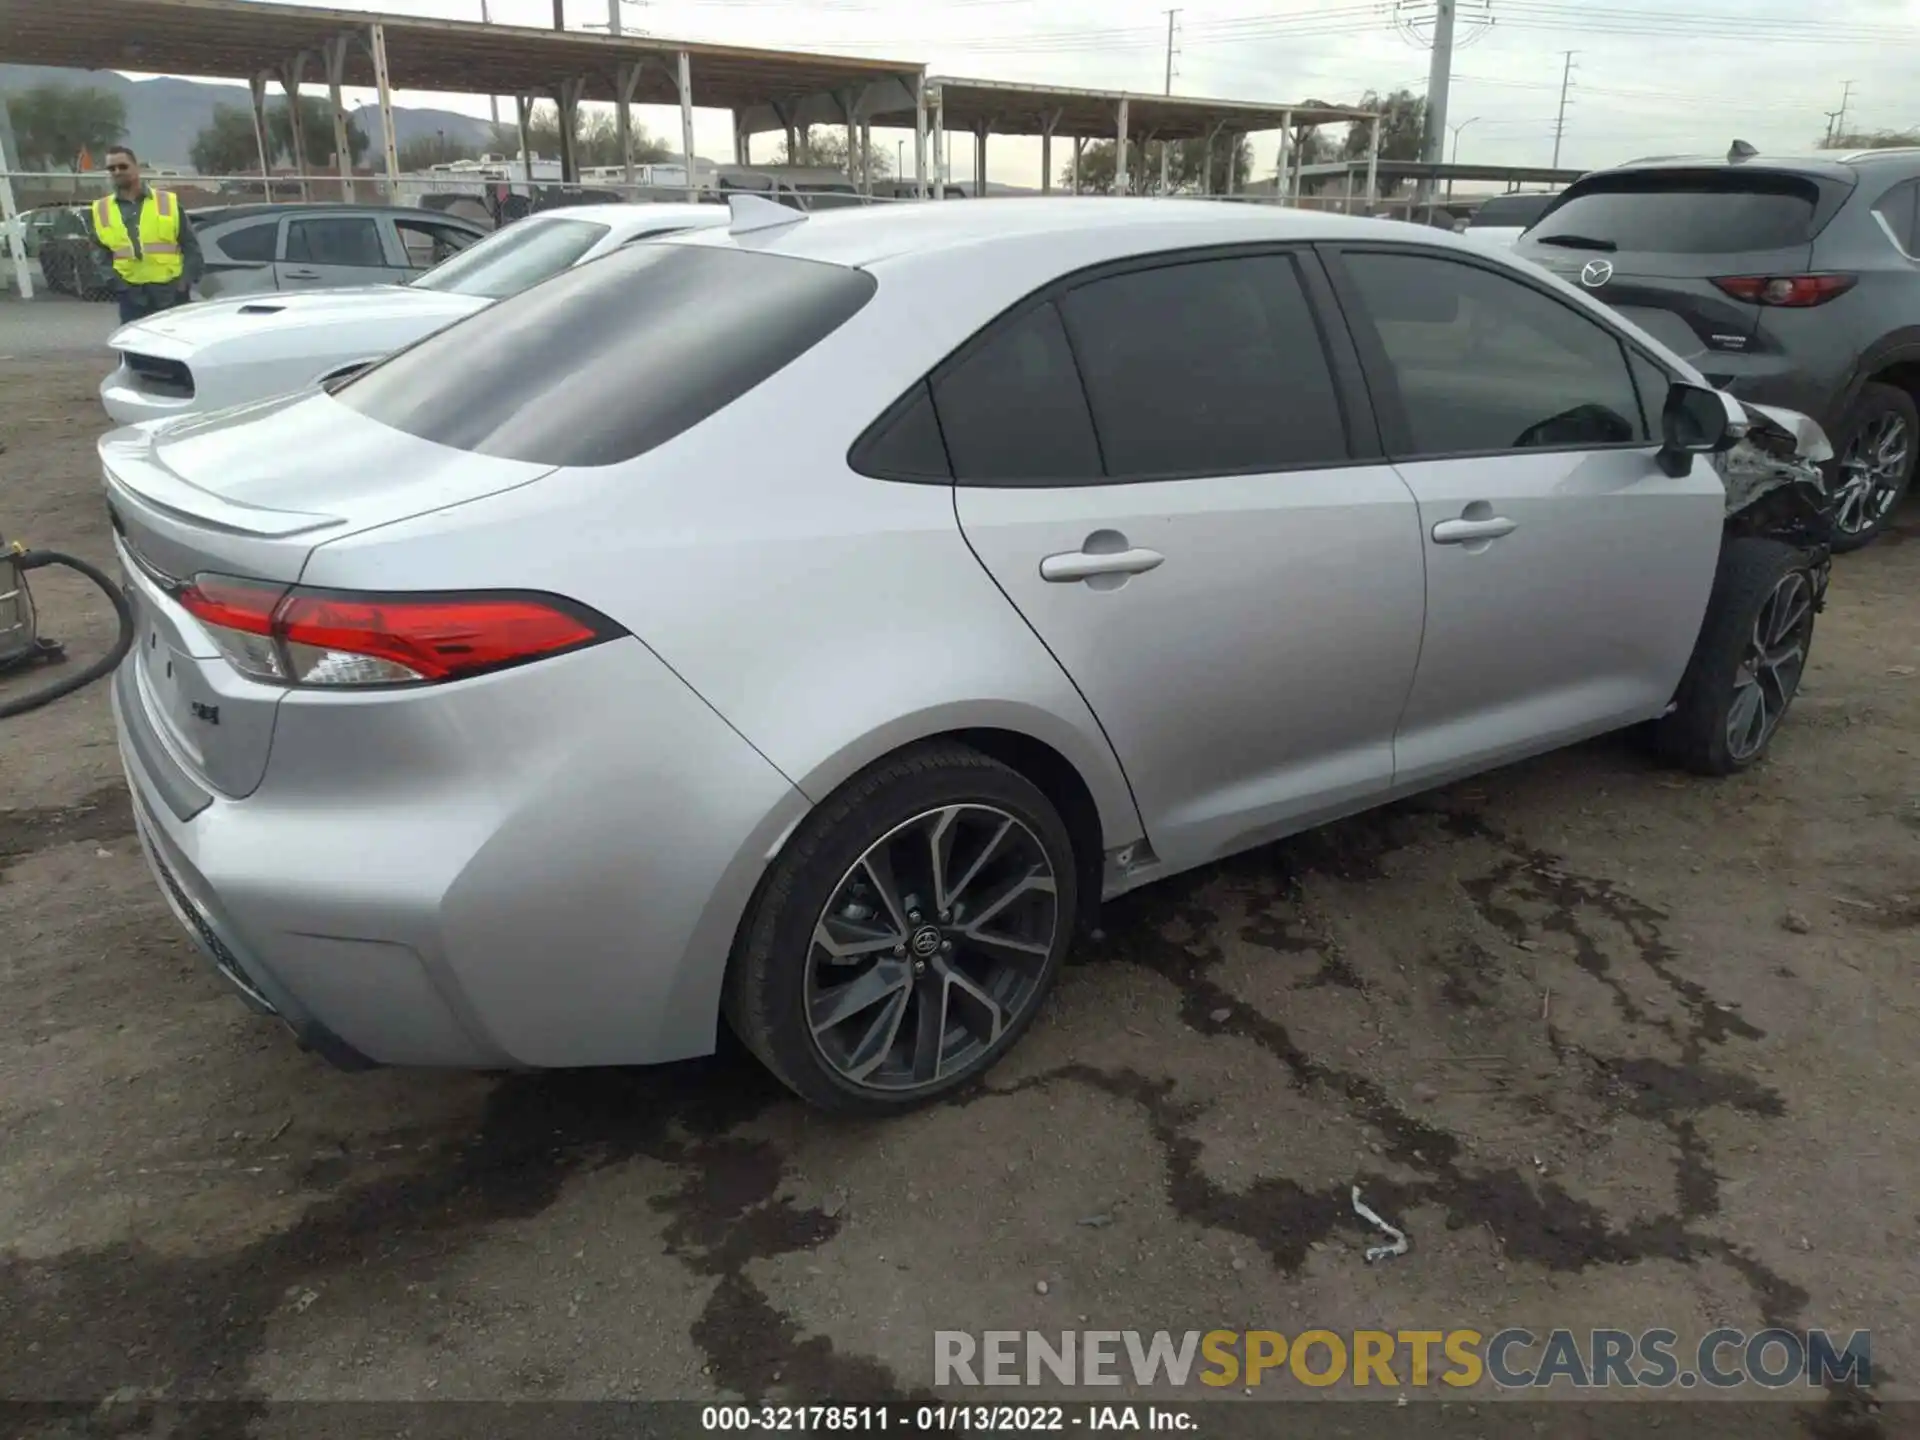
<point>222,214</point>
<point>866,235</point>
<point>1833,167</point>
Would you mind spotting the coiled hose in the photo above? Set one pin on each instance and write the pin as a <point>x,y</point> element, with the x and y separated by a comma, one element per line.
<point>99,669</point>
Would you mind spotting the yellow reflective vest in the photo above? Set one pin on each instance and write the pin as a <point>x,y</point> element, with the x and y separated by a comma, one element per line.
<point>151,258</point>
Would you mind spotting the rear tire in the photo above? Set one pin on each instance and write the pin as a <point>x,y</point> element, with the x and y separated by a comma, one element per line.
<point>1875,448</point>
<point>1747,662</point>
<point>908,933</point>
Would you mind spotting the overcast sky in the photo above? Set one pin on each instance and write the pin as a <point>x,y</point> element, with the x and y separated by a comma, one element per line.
<point>1645,79</point>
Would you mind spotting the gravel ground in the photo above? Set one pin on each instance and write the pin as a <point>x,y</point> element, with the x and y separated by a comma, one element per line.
<point>1616,1047</point>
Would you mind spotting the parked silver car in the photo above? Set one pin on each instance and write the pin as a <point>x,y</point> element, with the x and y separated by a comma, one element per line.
<point>249,249</point>
<point>811,621</point>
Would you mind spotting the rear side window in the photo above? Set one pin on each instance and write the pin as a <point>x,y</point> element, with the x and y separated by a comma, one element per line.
<point>1899,208</point>
<point>1013,410</point>
<point>1690,212</point>
<point>1210,368</point>
<point>345,241</point>
<point>254,243</point>
<point>606,361</point>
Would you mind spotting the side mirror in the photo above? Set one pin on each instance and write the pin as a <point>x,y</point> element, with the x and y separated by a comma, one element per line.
<point>1698,421</point>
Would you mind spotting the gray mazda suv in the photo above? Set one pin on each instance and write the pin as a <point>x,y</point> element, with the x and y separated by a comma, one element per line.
<point>1792,282</point>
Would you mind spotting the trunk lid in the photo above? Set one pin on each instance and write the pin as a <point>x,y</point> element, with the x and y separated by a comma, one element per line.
<point>250,492</point>
<point>209,322</point>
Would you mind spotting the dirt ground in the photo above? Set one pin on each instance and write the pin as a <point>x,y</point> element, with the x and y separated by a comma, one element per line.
<point>1616,1048</point>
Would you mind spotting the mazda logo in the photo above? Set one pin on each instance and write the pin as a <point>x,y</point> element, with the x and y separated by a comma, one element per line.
<point>1596,273</point>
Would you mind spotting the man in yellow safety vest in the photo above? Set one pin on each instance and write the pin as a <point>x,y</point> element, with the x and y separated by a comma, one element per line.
<point>155,255</point>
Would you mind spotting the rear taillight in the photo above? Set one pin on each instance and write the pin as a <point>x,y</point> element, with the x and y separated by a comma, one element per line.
<point>336,638</point>
<point>1789,291</point>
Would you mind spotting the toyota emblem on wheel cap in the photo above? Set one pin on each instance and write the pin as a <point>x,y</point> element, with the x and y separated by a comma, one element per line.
<point>1596,273</point>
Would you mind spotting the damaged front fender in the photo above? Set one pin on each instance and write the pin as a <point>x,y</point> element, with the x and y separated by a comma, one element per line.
<point>1775,487</point>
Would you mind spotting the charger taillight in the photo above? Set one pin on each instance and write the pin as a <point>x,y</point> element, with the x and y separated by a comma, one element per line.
<point>1787,291</point>
<point>296,636</point>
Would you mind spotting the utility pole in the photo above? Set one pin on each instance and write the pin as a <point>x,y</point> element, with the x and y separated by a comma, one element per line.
<point>1171,16</point>
<point>613,17</point>
<point>559,14</point>
<point>1439,78</point>
<point>1840,119</point>
<point>1560,121</point>
<point>493,101</point>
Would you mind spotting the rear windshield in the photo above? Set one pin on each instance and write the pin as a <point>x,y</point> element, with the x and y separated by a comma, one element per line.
<point>1512,211</point>
<point>608,360</point>
<point>1690,212</point>
<point>509,260</point>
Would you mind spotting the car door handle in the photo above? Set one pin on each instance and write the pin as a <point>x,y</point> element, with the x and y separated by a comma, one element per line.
<point>303,274</point>
<point>1065,569</point>
<point>1463,532</point>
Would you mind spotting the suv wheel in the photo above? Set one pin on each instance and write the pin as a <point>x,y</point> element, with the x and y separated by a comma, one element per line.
<point>1875,449</point>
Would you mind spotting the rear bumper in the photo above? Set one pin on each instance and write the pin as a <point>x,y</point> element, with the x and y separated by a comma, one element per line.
<point>540,868</point>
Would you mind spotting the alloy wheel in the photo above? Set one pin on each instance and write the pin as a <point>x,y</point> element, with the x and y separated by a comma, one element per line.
<point>1770,670</point>
<point>931,948</point>
<point>1871,473</point>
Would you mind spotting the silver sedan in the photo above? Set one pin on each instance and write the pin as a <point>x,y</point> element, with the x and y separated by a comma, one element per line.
<point>809,622</point>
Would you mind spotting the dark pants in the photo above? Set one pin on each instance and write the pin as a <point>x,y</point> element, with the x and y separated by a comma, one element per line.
<point>138,301</point>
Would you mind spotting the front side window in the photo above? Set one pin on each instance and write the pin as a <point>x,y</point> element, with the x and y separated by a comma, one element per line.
<point>1482,363</point>
<point>428,242</point>
<point>508,261</point>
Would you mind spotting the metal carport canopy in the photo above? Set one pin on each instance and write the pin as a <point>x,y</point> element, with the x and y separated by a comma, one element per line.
<point>994,107</point>
<point>239,39</point>
<point>1008,108</point>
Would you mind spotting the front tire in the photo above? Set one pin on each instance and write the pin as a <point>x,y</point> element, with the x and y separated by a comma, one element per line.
<point>1875,450</point>
<point>1747,661</point>
<point>906,937</point>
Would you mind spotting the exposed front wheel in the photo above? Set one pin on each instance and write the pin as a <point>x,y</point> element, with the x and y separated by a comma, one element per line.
<point>1874,456</point>
<point>1747,662</point>
<point>906,937</point>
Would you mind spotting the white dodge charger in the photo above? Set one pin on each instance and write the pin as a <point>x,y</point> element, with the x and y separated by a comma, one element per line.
<point>227,352</point>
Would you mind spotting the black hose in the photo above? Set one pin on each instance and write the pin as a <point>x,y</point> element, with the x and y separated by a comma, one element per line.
<point>104,666</point>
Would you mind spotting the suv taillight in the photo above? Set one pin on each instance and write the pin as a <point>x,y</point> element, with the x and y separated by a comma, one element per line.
<point>1788,291</point>
<point>335,638</point>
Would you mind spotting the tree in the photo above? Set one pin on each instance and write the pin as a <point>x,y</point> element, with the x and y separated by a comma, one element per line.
<point>316,133</point>
<point>53,124</point>
<point>596,138</point>
<point>827,148</point>
<point>226,144</point>
<point>1403,128</point>
<point>1871,140</point>
<point>1186,160</point>
<point>423,152</point>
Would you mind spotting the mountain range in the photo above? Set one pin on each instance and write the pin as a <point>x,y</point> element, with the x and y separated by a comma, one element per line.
<point>164,114</point>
